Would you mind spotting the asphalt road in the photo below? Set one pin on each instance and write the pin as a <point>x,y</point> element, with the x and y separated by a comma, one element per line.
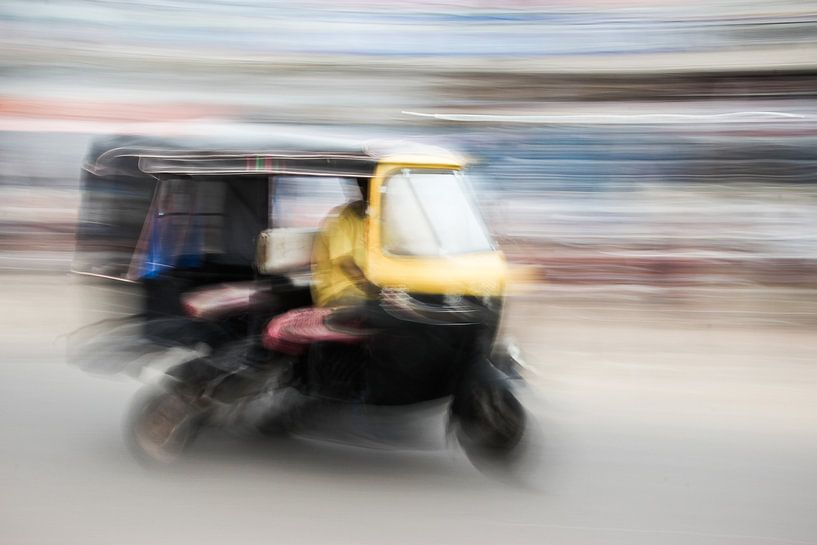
<point>659,424</point>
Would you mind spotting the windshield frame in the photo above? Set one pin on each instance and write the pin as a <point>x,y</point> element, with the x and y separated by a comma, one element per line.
<point>468,197</point>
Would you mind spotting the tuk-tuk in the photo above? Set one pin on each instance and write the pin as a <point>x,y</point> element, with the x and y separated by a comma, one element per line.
<point>216,238</point>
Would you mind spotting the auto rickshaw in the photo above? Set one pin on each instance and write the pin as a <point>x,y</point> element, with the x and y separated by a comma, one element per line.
<point>213,238</point>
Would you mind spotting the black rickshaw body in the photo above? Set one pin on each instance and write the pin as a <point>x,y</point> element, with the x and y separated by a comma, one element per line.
<point>185,222</point>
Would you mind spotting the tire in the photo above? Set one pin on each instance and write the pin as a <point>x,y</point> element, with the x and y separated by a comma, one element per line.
<point>160,425</point>
<point>491,426</point>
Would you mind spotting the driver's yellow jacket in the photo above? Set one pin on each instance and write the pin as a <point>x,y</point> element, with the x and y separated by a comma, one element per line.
<point>342,235</point>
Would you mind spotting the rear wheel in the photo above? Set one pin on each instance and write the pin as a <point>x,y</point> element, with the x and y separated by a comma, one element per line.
<point>160,426</point>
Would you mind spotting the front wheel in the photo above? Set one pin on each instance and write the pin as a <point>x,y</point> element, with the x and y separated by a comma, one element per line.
<point>160,425</point>
<point>490,424</point>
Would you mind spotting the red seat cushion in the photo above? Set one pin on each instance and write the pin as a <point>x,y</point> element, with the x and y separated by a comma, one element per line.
<point>293,331</point>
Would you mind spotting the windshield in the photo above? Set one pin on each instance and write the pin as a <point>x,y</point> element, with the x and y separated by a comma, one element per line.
<point>431,213</point>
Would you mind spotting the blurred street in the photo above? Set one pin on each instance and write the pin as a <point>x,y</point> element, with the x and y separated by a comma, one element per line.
<point>698,430</point>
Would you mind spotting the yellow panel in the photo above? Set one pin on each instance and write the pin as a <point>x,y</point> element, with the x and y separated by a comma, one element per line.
<point>483,273</point>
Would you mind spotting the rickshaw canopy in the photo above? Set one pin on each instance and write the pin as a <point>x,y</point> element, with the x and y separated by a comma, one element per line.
<point>273,154</point>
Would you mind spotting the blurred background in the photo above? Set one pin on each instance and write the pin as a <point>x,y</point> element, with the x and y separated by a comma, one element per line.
<point>653,162</point>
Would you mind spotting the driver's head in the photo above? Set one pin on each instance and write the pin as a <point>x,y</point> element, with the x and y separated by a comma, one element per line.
<point>363,185</point>
<point>357,191</point>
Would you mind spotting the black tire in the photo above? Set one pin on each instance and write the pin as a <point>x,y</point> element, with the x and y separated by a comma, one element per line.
<point>152,408</point>
<point>491,426</point>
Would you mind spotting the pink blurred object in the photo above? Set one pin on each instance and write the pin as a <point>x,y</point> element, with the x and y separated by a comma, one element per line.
<point>223,298</point>
<point>292,332</point>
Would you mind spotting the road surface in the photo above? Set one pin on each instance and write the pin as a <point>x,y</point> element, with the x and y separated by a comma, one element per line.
<point>661,423</point>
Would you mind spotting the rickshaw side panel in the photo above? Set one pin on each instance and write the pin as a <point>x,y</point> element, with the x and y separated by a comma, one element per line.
<point>112,216</point>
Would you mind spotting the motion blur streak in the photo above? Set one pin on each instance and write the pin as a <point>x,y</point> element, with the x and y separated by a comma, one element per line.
<point>650,167</point>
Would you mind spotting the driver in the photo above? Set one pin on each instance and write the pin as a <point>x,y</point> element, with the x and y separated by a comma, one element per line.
<point>339,254</point>
<point>338,262</point>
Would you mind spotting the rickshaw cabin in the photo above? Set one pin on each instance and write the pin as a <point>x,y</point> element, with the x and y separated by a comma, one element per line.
<point>174,215</point>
